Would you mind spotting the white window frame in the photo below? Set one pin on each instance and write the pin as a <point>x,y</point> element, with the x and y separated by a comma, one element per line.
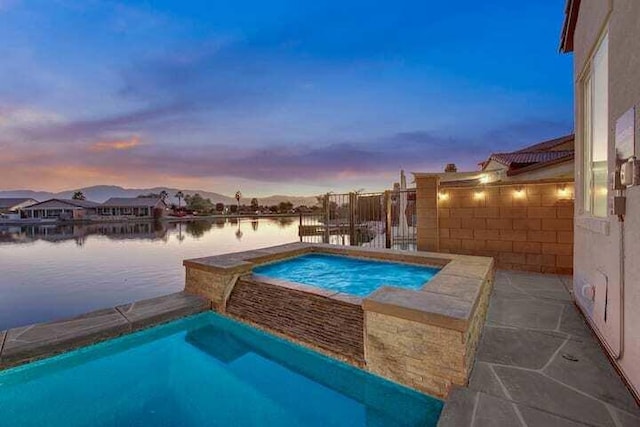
<point>592,205</point>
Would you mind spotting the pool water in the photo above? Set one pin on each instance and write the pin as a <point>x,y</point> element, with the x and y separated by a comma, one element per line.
<point>353,276</point>
<point>205,370</point>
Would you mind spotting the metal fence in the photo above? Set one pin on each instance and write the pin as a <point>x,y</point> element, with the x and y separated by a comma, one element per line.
<point>379,220</point>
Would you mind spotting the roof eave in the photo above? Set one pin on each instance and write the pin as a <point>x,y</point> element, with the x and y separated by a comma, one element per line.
<point>540,165</point>
<point>57,200</point>
<point>496,158</point>
<point>569,25</point>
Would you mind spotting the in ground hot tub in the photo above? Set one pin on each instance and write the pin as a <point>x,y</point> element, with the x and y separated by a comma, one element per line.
<point>412,317</point>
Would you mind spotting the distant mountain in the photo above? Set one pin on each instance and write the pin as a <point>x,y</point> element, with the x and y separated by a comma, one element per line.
<point>100,193</point>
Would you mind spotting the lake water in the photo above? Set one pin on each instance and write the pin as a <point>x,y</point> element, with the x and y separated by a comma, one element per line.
<point>51,272</point>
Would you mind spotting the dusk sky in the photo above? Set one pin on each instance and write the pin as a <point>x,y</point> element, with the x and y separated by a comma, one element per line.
<point>272,97</point>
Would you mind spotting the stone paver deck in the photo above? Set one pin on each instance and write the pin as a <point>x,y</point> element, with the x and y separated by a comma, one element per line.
<point>539,364</point>
<point>27,343</point>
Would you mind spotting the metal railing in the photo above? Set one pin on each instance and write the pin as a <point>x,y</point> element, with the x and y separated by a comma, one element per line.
<point>363,219</point>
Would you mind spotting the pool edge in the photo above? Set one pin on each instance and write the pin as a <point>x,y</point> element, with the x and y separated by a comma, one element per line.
<point>38,341</point>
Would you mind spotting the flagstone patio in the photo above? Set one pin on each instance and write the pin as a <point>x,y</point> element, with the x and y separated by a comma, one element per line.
<point>539,364</point>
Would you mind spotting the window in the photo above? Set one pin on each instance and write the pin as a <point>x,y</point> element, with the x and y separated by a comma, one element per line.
<point>596,131</point>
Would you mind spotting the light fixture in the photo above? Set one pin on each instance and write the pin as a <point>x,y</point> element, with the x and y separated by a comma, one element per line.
<point>479,194</point>
<point>443,195</point>
<point>519,192</point>
<point>563,191</point>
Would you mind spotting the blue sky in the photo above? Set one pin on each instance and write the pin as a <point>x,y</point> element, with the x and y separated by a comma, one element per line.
<point>272,97</point>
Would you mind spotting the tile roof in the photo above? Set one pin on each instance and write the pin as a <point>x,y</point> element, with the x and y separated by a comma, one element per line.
<point>547,145</point>
<point>9,202</point>
<point>81,203</point>
<point>132,202</point>
<point>87,204</point>
<point>535,156</point>
<point>519,158</point>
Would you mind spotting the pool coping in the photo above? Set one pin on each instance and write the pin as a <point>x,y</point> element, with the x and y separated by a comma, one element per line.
<point>26,344</point>
<point>448,300</point>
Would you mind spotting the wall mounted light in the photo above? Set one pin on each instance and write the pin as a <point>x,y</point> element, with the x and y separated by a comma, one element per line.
<point>478,195</point>
<point>519,192</point>
<point>443,195</point>
<point>563,191</point>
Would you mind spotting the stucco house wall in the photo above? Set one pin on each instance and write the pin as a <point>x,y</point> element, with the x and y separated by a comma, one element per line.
<point>607,251</point>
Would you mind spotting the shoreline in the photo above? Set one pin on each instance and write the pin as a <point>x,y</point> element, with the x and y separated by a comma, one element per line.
<point>22,222</point>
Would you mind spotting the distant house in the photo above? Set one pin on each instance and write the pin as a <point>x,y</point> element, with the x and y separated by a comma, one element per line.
<point>60,209</point>
<point>136,207</point>
<point>544,160</point>
<point>551,160</point>
<point>12,205</point>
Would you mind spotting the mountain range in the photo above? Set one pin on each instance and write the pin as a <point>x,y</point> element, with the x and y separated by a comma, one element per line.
<point>100,193</point>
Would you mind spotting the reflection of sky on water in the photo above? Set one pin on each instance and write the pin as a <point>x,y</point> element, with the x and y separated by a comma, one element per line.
<point>54,272</point>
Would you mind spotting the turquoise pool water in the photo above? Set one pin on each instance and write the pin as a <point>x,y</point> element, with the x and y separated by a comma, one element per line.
<point>354,276</point>
<point>205,370</point>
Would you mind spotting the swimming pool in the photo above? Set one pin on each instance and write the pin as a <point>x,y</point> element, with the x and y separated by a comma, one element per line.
<point>350,275</point>
<point>204,370</point>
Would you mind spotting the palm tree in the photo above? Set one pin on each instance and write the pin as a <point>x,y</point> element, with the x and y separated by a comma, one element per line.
<point>238,197</point>
<point>254,204</point>
<point>163,195</point>
<point>179,195</point>
<point>79,195</point>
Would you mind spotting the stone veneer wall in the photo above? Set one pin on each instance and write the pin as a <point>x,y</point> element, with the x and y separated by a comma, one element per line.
<point>320,321</point>
<point>213,286</point>
<point>428,358</point>
<point>422,356</point>
<point>524,226</point>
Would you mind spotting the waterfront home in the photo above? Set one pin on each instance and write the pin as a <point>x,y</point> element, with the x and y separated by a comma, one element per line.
<point>604,37</point>
<point>133,207</point>
<point>65,209</point>
<point>14,205</point>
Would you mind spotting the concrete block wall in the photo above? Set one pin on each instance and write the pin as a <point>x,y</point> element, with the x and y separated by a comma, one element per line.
<point>428,233</point>
<point>523,226</point>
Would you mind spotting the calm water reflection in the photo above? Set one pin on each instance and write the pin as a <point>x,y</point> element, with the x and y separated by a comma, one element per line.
<point>49,272</point>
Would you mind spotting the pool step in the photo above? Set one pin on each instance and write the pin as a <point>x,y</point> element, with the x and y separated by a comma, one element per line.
<point>217,343</point>
<point>323,321</point>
